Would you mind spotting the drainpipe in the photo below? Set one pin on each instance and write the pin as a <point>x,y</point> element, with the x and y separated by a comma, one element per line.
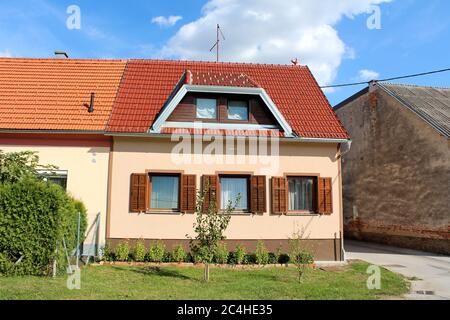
<point>343,150</point>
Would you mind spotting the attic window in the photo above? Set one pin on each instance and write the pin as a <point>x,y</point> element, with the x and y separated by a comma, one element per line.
<point>238,110</point>
<point>206,108</point>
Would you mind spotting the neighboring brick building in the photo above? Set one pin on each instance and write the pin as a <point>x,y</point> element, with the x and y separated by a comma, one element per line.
<point>397,174</point>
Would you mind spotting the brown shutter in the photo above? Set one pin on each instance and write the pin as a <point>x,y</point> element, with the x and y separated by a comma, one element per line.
<point>324,198</point>
<point>188,193</point>
<point>138,192</point>
<point>211,193</point>
<point>258,194</point>
<point>279,195</point>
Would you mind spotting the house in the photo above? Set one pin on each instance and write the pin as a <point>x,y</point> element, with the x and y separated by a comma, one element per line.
<point>263,135</point>
<point>397,174</point>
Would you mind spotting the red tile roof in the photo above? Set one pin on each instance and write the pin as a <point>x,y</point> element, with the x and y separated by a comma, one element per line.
<point>147,84</point>
<point>50,94</point>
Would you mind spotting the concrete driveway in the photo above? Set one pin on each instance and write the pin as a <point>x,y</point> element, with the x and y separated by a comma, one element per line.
<point>430,272</point>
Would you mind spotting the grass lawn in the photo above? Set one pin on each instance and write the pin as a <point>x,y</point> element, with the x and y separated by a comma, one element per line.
<point>129,282</point>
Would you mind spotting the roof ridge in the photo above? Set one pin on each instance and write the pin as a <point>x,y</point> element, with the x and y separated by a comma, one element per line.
<point>412,85</point>
<point>221,63</point>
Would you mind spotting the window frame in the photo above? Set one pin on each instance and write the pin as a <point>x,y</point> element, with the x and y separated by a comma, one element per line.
<point>316,177</point>
<point>206,98</point>
<point>247,176</point>
<point>238,100</point>
<point>58,174</point>
<point>169,173</point>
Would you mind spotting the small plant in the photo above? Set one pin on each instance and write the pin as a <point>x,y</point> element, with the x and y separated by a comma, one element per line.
<point>261,253</point>
<point>239,254</point>
<point>298,254</point>
<point>156,252</point>
<point>221,253</point>
<point>178,254</point>
<point>283,259</point>
<point>108,253</point>
<point>273,258</point>
<point>122,251</point>
<point>139,251</point>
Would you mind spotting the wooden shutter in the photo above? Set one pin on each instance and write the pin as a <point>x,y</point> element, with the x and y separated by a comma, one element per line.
<point>324,198</point>
<point>212,183</point>
<point>188,193</point>
<point>258,194</point>
<point>279,195</point>
<point>138,192</point>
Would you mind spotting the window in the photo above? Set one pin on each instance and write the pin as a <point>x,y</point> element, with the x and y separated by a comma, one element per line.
<point>238,110</point>
<point>165,190</point>
<point>206,108</point>
<point>58,177</point>
<point>230,189</point>
<point>301,193</point>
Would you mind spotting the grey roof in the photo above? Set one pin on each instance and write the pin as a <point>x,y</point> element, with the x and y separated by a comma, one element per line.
<point>431,104</point>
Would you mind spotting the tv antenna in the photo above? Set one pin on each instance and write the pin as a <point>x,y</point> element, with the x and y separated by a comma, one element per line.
<point>217,44</point>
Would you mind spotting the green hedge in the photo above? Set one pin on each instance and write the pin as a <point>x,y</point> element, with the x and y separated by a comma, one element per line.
<point>34,217</point>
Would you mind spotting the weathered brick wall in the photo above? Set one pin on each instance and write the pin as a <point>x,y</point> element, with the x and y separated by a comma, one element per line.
<point>396,176</point>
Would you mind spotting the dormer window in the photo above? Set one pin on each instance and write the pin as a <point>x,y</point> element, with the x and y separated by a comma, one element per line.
<point>206,108</point>
<point>238,110</point>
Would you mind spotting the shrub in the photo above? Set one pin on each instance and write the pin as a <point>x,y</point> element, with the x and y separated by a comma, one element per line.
<point>108,253</point>
<point>156,252</point>
<point>122,251</point>
<point>178,254</point>
<point>272,258</point>
<point>139,251</point>
<point>239,254</point>
<point>304,257</point>
<point>250,258</point>
<point>221,253</point>
<point>35,217</point>
<point>284,258</point>
<point>261,253</point>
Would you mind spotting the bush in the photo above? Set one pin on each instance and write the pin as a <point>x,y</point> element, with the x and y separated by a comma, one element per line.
<point>35,217</point>
<point>178,254</point>
<point>303,257</point>
<point>108,253</point>
<point>250,258</point>
<point>139,251</point>
<point>221,253</point>
<point>239,254</point>
<point>284,258</point>
<point>156,252</point>
<point>261,253</point>
<point>122,251</point>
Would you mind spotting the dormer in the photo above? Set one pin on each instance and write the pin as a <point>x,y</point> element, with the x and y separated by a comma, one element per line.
<point>219,100</point>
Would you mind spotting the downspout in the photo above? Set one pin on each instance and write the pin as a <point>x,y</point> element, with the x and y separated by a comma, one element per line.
<point>343,148</point>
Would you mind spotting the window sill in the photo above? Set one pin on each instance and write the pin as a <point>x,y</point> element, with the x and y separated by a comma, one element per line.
<point>302,213</point>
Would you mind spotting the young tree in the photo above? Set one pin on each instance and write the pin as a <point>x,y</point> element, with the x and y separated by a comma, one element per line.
<point>210,227</point>
<point>16,165</point>
<point>298,254</point>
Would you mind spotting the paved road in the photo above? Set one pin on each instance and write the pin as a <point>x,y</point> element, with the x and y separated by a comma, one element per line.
<point>432,270</point>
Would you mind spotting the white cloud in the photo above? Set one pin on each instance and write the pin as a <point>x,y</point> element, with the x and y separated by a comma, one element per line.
<point>166,21</point>
<point>268,31</point>
<point>367,75</point>
<point>5,54</point>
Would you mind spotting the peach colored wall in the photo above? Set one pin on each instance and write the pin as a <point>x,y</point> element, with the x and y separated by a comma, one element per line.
<point>87,177</point>
<point>135,155</point>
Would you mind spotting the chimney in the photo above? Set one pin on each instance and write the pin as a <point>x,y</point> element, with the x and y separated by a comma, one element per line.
<point>60,54</point>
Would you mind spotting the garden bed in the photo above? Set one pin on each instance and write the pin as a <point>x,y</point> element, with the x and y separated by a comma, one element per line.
<point>200,265</point>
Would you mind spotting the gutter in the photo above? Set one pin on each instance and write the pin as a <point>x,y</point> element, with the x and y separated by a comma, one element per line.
<point>284,139</point>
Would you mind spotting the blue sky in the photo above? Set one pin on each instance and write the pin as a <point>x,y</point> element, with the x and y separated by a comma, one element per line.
<point>333,39</point>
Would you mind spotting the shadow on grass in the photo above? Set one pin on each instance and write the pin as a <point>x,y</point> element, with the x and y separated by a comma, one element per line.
<point>157,271</point>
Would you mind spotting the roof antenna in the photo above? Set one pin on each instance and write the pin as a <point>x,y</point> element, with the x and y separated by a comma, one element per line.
<point>217,44</point>
<point>62,53</point>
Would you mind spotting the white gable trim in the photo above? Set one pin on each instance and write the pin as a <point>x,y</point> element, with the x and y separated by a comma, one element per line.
<point>160,121</point>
